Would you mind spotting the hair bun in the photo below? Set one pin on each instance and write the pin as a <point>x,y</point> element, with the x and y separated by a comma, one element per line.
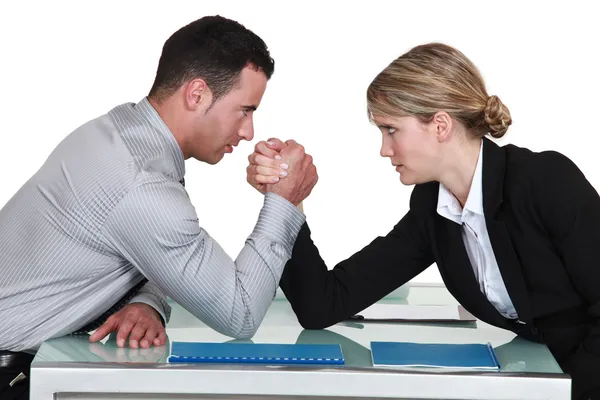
<point>497,116</point>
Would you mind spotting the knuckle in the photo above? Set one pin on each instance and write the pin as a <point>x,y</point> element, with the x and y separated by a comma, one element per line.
<point>132,314</point>
<point>138,331</point>
<point>126,326</point>
<point>266,161</point>
<point>135,332</point>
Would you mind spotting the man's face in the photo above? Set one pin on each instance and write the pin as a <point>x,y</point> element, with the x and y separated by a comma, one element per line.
<point>228,120</point>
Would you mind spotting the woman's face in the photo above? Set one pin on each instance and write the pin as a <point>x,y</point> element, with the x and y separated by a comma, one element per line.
<point>412,147</point>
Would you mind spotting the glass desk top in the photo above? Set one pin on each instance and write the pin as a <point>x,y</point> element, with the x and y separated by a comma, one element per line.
<point>281,326</point>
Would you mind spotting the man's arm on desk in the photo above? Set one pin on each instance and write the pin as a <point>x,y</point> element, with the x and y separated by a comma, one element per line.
<point>156,228</point>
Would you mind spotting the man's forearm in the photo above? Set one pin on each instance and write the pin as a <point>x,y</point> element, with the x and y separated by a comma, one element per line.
<point>164,240</point>
<point>234,296</point>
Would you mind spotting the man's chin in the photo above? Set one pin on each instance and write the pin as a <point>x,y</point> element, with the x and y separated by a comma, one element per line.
<point>215,159</point>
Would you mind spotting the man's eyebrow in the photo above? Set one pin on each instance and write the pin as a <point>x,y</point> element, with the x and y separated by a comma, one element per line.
<point>250,108</point>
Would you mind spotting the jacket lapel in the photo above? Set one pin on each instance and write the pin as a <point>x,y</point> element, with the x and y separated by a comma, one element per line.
<point>494,169</point>
<point>457,272</point>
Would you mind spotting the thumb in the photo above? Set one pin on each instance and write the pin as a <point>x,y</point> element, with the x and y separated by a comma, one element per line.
<point>276,144</point>
<point>106,328</point>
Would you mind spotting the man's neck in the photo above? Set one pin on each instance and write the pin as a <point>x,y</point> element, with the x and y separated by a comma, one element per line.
<point>167,112</point>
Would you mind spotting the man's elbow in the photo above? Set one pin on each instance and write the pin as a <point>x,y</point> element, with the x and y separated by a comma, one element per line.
<point>244,331</point>
<point>244,334</point>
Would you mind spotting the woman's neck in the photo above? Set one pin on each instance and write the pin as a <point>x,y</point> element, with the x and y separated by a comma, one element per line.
<point>460,169</point>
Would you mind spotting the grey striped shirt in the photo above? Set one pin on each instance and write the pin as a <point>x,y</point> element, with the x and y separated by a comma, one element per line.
<point>106,209</point>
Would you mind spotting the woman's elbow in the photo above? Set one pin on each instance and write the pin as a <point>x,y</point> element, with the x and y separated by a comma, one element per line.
<point>315,321</point>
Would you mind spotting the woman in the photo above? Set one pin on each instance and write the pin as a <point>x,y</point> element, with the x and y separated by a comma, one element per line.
<point>514,233</point>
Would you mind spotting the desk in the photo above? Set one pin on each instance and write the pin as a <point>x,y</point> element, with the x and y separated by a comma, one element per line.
<point>73,368</point>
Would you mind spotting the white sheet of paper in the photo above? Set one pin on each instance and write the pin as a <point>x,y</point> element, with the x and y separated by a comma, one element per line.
<point>410,312</point>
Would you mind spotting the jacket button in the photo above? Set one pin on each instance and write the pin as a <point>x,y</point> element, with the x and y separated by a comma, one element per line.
<point>535,331</point>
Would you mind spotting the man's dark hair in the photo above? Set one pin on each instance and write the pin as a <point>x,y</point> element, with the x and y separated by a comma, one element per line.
<point>213,48</point>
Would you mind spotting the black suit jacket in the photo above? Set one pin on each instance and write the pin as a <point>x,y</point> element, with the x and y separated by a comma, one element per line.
<point>543,220</point>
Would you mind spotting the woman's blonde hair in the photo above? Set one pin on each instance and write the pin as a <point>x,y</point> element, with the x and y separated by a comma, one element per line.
<point>435,77</point>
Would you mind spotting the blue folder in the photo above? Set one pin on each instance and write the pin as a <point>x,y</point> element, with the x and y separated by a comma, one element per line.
<point>201,352</point>
<point>441,355</point>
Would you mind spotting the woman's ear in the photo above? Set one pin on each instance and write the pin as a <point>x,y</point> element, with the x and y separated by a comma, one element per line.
<point>442,125</point>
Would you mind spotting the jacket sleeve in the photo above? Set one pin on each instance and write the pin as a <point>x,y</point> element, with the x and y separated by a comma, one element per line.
<point>569,207</point>
<point>321,297</point>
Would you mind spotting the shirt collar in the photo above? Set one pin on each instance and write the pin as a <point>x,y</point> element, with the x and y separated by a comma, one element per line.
<point>448,206</point>
<point>147,111</point>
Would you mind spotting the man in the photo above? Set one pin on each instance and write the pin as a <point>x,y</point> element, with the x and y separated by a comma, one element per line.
<point>107,216</point>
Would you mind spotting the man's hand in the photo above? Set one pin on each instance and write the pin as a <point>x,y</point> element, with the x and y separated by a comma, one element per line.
<point>139,321</point>
<point>265,164</point>
<point>302,174</point>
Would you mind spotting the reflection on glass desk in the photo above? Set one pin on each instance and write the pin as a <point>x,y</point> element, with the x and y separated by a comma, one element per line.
<point>71,367</point>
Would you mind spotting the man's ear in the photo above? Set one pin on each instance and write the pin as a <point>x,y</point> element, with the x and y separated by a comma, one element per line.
<point>197,94</point>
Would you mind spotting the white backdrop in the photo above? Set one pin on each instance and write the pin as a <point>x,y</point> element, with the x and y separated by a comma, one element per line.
<point>63,63</point>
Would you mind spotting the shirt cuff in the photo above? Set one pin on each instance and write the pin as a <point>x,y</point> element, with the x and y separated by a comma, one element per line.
<point>280,221</point>
<point>153,302</point>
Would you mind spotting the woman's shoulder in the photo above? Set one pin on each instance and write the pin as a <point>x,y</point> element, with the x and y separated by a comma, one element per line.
<point>423,199</point>
<point>543,177</point>
<point>527,165</point>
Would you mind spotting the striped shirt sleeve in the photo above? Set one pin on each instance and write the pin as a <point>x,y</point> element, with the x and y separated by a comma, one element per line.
<point>155,228</point>
<point>151,294</point>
